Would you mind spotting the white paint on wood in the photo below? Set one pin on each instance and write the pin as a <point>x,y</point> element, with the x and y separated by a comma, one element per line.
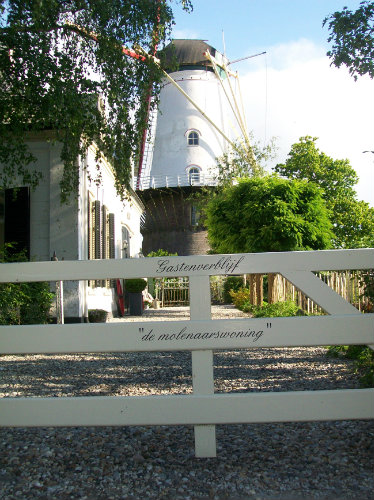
<point>203,409</point>
<point>202,363</point>
<point>199,265</point>
<point>320,292</point>
<point>189,335</point>
<point>299,406</point>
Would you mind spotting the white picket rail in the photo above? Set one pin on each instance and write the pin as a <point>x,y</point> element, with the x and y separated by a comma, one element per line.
<point>344,324</point>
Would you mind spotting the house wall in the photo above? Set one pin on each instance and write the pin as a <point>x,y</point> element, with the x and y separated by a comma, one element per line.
<point>63,228</point>
<point>127,215</point>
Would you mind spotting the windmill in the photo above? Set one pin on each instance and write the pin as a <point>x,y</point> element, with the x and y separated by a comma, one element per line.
<point>200,117</point>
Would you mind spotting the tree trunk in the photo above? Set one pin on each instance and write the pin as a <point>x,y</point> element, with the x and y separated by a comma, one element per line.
<point>271,288</point>
<point>252,289</point>
<point>259,289</point>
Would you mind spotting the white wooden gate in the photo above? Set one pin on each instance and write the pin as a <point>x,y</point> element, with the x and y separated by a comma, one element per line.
<point>344,324</point>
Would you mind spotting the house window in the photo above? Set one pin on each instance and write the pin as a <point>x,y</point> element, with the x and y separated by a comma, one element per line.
<point>193,139</point>
<point>194,176</point>
<point>15,219</point>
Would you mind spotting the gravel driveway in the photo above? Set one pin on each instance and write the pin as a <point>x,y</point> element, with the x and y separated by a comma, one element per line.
<point>328,460</point>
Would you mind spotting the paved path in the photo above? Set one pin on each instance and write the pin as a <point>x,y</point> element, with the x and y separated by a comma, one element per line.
<point>226,311</point>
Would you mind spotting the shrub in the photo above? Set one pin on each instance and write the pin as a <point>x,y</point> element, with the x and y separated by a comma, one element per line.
<point>240,298</point>
<point>23,303</point>
<point>276,310</point>
<point>161,253</point>
<point>97,315</point>
<point>231,283</point>
<point>135,285</point>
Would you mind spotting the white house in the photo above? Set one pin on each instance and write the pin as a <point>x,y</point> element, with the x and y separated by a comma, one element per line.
<point>95,224</point>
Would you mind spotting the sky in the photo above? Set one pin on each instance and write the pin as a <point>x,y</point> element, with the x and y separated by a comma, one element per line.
<point>291,91</point>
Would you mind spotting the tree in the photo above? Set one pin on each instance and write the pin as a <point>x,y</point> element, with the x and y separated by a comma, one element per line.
<point>352,34</point>
<point>56,59</point>
<point>353,220</point>
<point>268,214</point>
<point>238,162</point>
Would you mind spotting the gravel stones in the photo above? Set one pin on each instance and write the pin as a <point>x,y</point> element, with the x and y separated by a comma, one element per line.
<point>328,460</point>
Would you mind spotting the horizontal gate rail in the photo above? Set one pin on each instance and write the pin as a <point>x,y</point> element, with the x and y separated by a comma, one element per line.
<point>188,335</point>
<point>343,324</point>
<point>298,406</point>
<point>202,265</point>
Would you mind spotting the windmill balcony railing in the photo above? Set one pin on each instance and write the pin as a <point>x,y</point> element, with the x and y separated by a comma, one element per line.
<point>159,181</point>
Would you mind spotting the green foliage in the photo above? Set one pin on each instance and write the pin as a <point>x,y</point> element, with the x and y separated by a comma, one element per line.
<point>363,357</point>
<point>268,214</point>
<point>231,283</point>
<point>23,303</point>
<point>135,285</point>
<point>276,310</point>
<point>97,316</point>
<point>238,163</point>
<point>352,35</point>
<point>56,58</point>
<point>240,298</point>
<point>368,283</point>
<point>353,220</point>
<point>161,253</point>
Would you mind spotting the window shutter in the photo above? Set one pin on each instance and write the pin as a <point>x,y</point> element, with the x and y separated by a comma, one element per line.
<point>97,229</point>
<point>112,250</point>
<point>105,235</point>
<point>111,241</point>
<point>90,230</point>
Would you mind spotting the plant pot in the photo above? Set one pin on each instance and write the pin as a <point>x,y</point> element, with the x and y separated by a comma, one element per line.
<point>135,304</point>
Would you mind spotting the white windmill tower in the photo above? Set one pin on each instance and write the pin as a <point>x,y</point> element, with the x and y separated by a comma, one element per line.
<point>197,121</point>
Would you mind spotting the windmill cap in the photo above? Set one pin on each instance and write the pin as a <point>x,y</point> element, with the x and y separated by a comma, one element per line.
<point>186,52</point>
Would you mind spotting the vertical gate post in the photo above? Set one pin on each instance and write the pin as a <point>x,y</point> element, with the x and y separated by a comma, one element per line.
<point>202,364</point>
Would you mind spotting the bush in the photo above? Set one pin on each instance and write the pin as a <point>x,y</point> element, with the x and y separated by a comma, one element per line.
<point>97,316</point>
<point>240,298</point>
<point>23,303</point>
<point>135,285</point>
<point>276,310</point>
<point>231,283</point>
<point>161,253</point>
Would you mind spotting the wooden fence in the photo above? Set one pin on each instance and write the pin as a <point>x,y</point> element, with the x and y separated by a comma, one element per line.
<point>348,284</point>
<point>172,291</point>
<point>344,324</point>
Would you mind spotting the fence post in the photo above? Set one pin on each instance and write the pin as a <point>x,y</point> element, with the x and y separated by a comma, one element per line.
<point>202,364</point>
